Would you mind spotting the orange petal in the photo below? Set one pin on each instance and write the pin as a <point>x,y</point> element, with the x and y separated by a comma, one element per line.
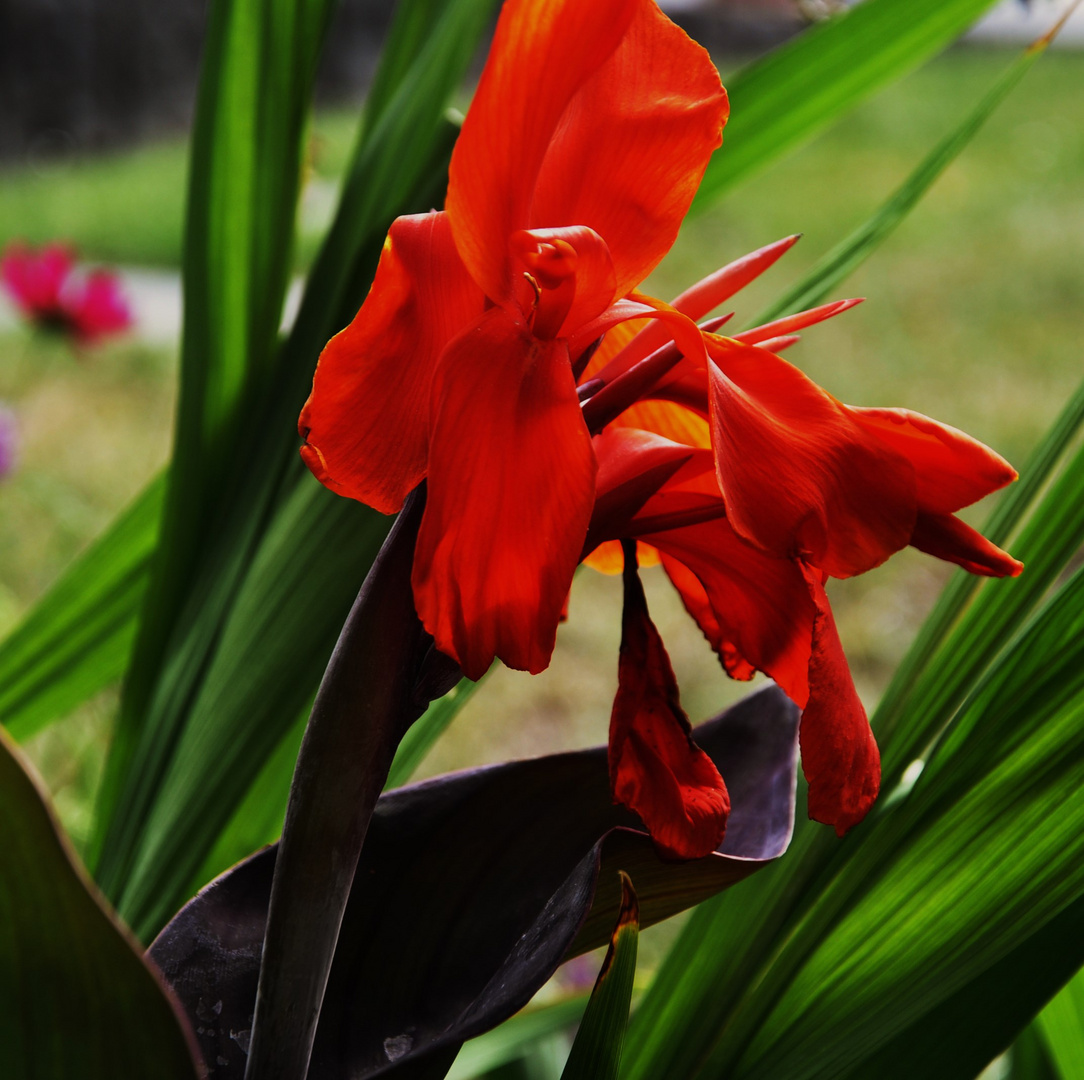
<point>633,144</point>
<point>800,477</point>
<point>947,537</point>
<point>952,469</point>
<point>669,420</point>
<point>656,769</point>
<point>366,421</point>
<point>542,55</point>
<point>608,558</point>
<point>511,486</point>
<point>840,758</point>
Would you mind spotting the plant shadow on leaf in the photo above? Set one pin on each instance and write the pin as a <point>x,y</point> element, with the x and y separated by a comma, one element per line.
<point>475,886</point>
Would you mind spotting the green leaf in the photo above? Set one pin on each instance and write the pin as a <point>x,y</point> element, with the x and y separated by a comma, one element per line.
<point>78,637</point>
<point>258,66</point>
<point>839,263</point>
<point>515,1038</point>
<point>77,1002</point>
<point>210,656</point>
<point>596,1053</point>
<point>976,1024</point>
<point>425,731</point>
<point>785,98</point>
<point>1062,1026</point>
<point>273,649</point>
<point>1030,1057</point>
<point>942,887</point>
<point>727,941</point>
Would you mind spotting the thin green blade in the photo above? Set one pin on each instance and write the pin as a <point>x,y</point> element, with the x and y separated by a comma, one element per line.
<point>785,98</point>
<point>596,1053</point>
<point>78,637</point>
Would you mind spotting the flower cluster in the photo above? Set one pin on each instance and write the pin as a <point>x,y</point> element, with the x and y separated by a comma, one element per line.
<point>505,356</point>
<point>48,290</point>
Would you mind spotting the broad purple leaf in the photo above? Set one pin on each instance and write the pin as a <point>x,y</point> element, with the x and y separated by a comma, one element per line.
<point>471,890</point>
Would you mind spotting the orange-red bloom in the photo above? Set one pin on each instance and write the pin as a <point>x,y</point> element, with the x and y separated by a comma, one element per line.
<point>472,365</point>
<point>773,486</point>
<point>586,140</point>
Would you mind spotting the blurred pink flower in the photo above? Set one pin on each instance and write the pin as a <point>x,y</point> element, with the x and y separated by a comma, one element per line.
<point>49,291</point>
<point>9,437</point>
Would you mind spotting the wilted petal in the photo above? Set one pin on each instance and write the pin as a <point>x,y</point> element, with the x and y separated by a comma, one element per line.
<point>511,486</point>
<point>840,758</point>
<point>760,604</point>
<point>695,598</point>
<point>655,767</point>
<point>365,423</point>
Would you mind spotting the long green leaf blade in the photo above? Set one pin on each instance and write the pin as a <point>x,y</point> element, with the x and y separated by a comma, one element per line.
<point>78,637</point>
<point>259,64</point>
<point>839,263</point>
<point>780,101</point>
<point>1062,1026</point>
<point>217,723</point>
<point>515,1038</point>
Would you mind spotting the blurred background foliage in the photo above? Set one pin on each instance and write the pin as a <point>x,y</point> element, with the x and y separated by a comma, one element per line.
<point>973,316</point>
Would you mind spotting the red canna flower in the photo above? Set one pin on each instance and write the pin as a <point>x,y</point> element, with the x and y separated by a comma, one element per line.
<point>48,290</point>
<point>758,507</point>
<point>586,140</point>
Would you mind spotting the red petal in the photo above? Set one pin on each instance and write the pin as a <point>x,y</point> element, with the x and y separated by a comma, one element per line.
<point>840,758</point>
<point>952,469</point>
<point>786,326</point>
<point>695,598</point>
<point>633,144</point>
<point>656,769</point>
<point>761,604</point>
<point>35,279</point>
<point>800,477</point>
<point>695,302</point>
<point>947,537</point>
<point>98,308</point>
<point>573,267</point>
<point>366,421</point>
<point>542,55</point>
<point>511,486</point>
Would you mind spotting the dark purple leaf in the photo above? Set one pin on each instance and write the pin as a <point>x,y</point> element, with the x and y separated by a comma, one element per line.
<point>470,890</point>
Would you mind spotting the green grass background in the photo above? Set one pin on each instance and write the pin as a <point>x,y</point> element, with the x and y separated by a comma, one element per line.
<point>974,315</point>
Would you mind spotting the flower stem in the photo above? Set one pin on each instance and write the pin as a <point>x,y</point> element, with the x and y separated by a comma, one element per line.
<point>366,701</point>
